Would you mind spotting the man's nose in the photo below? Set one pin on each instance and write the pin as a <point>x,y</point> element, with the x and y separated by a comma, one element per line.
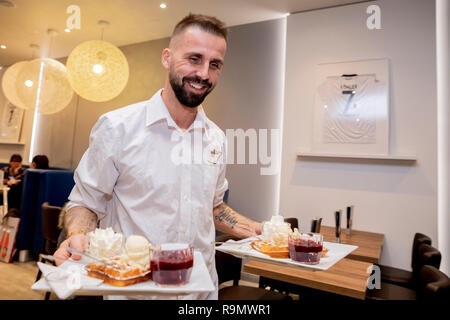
<point>203,71</point>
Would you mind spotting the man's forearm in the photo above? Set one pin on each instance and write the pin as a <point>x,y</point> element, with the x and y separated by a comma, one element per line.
<point>229,221</point>
<point>80,220</point>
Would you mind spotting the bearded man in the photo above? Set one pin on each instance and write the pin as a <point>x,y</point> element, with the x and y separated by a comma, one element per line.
<point>130,178</point>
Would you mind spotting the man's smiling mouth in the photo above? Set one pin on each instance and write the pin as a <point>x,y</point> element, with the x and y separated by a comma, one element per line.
<point>196,86</point>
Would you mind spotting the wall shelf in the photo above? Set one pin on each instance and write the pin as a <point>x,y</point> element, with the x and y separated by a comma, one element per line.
<point>381,157</point>
<point>13,143</point>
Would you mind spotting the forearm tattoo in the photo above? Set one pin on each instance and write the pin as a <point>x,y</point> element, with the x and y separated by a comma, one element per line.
<point>226,214</point>
<point>229,221</point>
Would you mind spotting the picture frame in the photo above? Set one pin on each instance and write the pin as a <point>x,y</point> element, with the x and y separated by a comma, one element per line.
<point>10,123</point>
<point>351,108</point>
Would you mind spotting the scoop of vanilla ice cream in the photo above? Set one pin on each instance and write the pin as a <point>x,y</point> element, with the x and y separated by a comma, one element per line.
<point>105,243</point>
<point>277,231</point>
<point>137,250</point>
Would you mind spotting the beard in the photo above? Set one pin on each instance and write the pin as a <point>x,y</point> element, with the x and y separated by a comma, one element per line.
<point>186,98</point>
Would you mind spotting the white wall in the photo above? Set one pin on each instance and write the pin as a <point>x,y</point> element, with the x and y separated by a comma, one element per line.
<point>249,96</point>
<point>395,199</point>
<point>7,149</point>
<point>55,135</point>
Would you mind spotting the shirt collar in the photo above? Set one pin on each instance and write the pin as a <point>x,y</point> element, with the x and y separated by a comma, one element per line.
<point>157,110</point>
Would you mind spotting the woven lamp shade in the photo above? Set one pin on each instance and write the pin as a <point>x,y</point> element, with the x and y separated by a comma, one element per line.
<point>54,92</point>
<point>97,70</point>
<point>9,84</point>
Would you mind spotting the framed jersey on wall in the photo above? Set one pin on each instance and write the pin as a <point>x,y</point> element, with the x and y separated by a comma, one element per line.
<point>351,108</point>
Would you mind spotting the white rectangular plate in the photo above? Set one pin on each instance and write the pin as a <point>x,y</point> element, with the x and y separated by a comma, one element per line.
<point>200,281</point>
<point>336,252</point>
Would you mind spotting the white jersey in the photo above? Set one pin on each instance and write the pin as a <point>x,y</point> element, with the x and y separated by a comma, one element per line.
<point>350,108</point>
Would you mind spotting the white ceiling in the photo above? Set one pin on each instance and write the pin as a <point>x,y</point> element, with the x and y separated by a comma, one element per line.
<point>132,21</point>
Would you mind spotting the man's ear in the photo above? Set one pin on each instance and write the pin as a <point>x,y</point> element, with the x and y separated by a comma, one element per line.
<point>165,58</point>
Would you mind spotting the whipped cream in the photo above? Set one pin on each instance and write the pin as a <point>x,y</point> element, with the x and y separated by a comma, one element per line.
<point>277,231</point>
<point>105,243</point>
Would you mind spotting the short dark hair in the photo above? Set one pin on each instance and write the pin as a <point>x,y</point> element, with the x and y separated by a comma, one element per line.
<point>41,161</point>
<point>16,158</point>
<point>206,23</point>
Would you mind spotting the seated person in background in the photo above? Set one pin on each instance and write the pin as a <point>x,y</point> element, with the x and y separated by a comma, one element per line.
<point>14,172</point>
<point>14,175</point>
<point>39,162</point>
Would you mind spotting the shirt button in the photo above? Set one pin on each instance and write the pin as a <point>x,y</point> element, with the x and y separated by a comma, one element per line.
<point>186,198</point>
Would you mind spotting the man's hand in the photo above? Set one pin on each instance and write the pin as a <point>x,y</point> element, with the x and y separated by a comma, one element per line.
<point>258,228</point>
<point>77,222</point>
<point>78,242</point>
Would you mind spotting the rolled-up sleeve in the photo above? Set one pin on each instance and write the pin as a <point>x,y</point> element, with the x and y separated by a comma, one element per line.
<point>97,172</point>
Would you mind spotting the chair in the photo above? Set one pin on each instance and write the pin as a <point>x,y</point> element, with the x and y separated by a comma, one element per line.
<point>281,286</point>
<point>293,222</point>
<point>433,285</point>
<point>426,256</point>
<point>229,268</point>
<point>403,277</point>
<point>50,231</point>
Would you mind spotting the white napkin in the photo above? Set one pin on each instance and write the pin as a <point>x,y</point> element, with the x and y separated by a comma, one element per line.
<point>67,278</point>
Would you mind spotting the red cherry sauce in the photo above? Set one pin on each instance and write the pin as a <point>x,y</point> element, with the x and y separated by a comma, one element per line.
<point>306,251</point>
<point>170,272</point>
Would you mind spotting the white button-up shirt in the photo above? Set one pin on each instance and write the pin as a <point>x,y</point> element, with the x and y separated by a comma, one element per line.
<point>140,177</point>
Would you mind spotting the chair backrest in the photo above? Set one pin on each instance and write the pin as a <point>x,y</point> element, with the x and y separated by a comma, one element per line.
<point>293,222</point>
<point>50,231</point>
<point>433,284</point>
<point>419,239</point>
<point>228,267</point>
<point>427,255</point>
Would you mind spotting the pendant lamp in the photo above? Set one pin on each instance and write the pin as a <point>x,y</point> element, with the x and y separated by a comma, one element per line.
<point>43,83</point>
<point>97,70</point>
<point>9,84</point>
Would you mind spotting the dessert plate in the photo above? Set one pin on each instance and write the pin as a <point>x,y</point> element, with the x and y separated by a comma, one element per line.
<point>200,281</point>
<point>336,252</point>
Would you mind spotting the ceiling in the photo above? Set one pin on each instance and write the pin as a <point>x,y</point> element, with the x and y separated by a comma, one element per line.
<point>131,21</point>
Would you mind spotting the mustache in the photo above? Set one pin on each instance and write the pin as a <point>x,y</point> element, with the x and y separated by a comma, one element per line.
<point>198,80</point>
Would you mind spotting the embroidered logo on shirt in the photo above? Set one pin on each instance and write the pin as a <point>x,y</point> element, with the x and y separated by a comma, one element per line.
<point>214,154</point>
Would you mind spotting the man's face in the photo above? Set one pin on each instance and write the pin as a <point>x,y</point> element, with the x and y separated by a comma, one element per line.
<point>195,62</point>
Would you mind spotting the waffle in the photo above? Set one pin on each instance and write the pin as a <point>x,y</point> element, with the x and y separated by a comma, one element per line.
<point>120,275</point>
<point>270,249</point>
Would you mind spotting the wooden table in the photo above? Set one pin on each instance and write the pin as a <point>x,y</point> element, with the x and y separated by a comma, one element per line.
<point>347,277</point>
<point>369,244</point>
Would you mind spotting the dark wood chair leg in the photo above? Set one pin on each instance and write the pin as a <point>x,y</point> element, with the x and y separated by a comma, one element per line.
<point>38,275</point>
